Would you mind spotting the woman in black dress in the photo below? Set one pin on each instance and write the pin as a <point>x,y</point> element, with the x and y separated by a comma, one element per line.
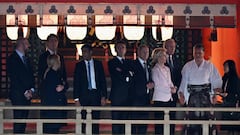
<point>231,92</point>
<point>53,94</point>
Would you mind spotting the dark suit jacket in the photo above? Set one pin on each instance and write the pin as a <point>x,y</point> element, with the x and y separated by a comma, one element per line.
<point>80,84</point>
<point>176,71</point>
<point>50,97</point>
<point>121,81</point>
<point>21,79</point>
<point>232,89</point>
<point>139,95</point>
<point>176,75</point>
<point>42,66</point>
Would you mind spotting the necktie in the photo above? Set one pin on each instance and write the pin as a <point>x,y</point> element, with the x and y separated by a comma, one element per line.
<point>89,77</point>
<point>24,59</point>
<point>146,70</point>
<point>122,61</point>
<point>170,62</point>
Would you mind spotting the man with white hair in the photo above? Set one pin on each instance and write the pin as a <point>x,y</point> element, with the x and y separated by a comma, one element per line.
<point>200,79</point>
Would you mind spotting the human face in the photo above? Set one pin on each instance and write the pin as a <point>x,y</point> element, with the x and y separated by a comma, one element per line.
<point>198,54</point>
<point>144,53</point>
<point>25,45</point>
<point>86,54</point>
<point>121,49</point>
<point>171,47</point>
<point>226,68</point>
<point>52,44</point>
<point>162,58</point>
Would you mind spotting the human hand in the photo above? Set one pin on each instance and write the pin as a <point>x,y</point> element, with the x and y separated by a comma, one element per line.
<point>103,101</point>
<point>59,88</point>
<point>173,90</point>
<point>77,103</point>
<point>217,90</point>
<point>150,85</point>
<point>28,94</point>
<point>224,94</point>
<point>181,98</point>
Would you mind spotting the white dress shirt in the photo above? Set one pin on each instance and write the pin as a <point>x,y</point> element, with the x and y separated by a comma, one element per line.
<point>20,54</point>
<point>194,75</point>
<point>162,79</point>
<point>93,81</point>
<point>120,59</point>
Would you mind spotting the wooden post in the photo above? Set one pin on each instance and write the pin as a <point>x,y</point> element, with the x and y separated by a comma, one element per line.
<point>127,128</point>
<point>78,124</point>
<point>166,130</point>
<point>39,128</point>
<point>1,121</point>
<point>89,122</point>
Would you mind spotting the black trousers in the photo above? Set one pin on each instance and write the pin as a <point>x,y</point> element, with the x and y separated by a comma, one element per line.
<point>198,99</point>
<point>20,114</point>
<point>160,116</point>
<point>118,129</point>
<point>53,128</point>
<point>139,129</point>
<point>93,99</point>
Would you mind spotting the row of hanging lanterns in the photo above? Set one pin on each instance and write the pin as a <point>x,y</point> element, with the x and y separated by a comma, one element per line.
<point>76,28</point>
<point>104,16</point>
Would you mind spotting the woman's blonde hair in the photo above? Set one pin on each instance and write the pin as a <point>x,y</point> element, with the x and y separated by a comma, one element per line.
<point>52,60</point>
<point>156,53</point>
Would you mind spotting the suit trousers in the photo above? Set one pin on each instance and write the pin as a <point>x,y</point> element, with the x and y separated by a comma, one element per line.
<point>160,116</point>
<point>93,100</point>
<point>119,115</point>
<point>20,114</point>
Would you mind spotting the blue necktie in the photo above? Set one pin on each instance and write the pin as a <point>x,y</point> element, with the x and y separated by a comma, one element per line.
<point>170,62</point>
<point>89,77</point>
<point>146,70</point>
<point>24,60</point>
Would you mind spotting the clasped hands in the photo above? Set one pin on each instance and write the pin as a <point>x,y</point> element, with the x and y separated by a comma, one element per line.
<point>28,94</point>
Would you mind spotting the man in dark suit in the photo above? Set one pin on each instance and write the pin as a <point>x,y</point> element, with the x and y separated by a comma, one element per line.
<point>21,77</point>
<point>121,76</point>
<point>51,48</point>
<point>142,84</point>
<point>175,67</point>
<point>89,86</point>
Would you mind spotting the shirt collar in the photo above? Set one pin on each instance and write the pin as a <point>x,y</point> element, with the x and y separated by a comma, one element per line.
<point>120,58</point>
<point>141,61</point>
<point>88,61</point>
<point>20,54</point>
<point>50,51</point>
<point>201,65</point>
<point>171,56</point>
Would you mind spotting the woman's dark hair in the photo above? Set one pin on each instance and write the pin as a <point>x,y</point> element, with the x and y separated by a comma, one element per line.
<point>232,67</point>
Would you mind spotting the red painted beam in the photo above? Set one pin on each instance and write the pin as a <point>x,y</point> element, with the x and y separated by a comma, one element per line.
<point>132,1</point>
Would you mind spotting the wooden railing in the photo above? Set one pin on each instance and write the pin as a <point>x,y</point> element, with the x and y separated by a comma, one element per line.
<point>89,121</point>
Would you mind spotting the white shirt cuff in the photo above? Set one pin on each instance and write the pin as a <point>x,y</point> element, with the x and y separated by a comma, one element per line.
<point>32,89</point>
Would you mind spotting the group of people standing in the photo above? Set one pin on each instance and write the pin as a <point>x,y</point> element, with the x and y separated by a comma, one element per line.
<point>133,83</point>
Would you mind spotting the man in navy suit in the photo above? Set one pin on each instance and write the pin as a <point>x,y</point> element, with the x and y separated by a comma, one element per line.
<point>89,86</point>
<point>175,67</point>
<point>51,48</point>
<point>142,84</point>
<point>21,78</point>
<point>121,74</point>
